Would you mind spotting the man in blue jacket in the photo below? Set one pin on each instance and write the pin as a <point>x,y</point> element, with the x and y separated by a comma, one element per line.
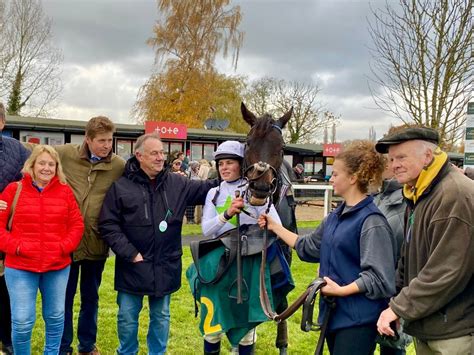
<point>141,219</point>
<point>12,157</point>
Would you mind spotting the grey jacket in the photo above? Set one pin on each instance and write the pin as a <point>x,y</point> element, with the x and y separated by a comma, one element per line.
<point>391,203</point>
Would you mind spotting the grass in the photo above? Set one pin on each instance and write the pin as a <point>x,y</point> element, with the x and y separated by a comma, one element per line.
<point>184,334</point>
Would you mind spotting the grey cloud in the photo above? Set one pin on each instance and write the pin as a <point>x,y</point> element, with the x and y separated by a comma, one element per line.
<point>106,58</point>
<point>105,30</point>
<point>311,35</point>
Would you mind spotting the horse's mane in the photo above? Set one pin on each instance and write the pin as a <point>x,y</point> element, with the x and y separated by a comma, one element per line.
<point>262,126</point>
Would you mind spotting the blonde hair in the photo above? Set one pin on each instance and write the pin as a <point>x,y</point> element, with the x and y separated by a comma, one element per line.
<point>37,151</point>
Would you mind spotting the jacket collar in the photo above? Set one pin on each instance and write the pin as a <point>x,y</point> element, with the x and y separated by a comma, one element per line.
<point>390,185</point>
<point>445,168</point>
<point>85,153</point>
<point>340,210</point>
<point>134,173</point>
<point>28,180</point>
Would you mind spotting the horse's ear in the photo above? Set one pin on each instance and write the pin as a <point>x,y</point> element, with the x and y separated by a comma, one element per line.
<point>248,116</point>
<point>283,120</point>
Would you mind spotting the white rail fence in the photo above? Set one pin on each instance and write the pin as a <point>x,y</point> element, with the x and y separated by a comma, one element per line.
<point>327,194</point>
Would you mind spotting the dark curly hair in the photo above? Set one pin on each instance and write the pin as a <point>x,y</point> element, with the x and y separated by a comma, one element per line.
<point>363,161</point>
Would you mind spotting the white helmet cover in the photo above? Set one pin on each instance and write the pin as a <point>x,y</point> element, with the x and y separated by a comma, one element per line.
<point>229,150</point>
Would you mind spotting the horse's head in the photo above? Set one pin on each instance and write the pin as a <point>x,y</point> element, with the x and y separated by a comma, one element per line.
<point>263,154</point>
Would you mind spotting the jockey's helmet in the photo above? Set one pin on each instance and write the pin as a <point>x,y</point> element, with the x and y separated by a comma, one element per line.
<point>229,150</point>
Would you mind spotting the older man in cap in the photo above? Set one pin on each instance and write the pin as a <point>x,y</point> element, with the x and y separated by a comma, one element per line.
<point>435,272</point>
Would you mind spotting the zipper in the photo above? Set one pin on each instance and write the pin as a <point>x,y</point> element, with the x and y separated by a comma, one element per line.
<point>145,205</point>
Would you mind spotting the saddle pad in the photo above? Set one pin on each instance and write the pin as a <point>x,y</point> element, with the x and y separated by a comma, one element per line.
<point>251,239</point>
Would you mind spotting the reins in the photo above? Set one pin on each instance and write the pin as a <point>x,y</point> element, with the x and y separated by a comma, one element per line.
<point>309,295</point>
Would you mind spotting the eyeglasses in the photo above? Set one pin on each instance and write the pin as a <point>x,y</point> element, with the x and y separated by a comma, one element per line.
<point>177,163</point>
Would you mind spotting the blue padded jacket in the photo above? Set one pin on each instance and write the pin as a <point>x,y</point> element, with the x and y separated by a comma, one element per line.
<point>12,157</point>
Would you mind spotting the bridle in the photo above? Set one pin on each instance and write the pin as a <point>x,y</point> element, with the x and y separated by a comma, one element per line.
<point>259,169</point>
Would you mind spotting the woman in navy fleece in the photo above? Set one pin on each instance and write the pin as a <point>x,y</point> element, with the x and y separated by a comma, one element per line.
<point>356,251</point>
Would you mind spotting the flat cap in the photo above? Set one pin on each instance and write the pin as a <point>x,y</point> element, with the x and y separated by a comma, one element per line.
<point>407,134</point>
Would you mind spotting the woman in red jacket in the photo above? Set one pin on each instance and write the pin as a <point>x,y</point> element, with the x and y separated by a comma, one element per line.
<point>47,226</point>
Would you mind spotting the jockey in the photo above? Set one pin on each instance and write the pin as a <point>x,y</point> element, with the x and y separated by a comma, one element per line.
<point>221,213</point>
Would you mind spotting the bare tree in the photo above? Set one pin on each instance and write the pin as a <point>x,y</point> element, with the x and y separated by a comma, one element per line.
<point>260,96</point>
<point>30,65</point>
<point>422,62</point>
<point>5,56</point>
<point>310,118</point>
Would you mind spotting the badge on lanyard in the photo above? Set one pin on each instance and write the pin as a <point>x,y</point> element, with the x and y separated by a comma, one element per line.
<point>163,226</point>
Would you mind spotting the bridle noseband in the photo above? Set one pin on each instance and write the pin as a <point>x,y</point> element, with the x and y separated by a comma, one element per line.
<point>260,169</point>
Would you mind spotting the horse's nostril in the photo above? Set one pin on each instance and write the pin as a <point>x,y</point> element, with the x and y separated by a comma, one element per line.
<point>260,186</point>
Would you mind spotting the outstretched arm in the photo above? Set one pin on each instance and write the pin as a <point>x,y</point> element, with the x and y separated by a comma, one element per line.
<point>282,233</point>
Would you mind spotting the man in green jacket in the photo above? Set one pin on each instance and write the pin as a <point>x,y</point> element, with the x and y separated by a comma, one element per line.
<point>90,169</point>
<point>435,272</point>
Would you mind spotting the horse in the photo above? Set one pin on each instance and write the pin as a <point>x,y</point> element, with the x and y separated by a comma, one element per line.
<point>268,182</point>
<point>263,154</point>
<point>263,183</point>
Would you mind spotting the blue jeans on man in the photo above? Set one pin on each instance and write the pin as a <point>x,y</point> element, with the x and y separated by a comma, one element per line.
<point>23,288</point>
<point>90,278</point>
<point>130,306</point>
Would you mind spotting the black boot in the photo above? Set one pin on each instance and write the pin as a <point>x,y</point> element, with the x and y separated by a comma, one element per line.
<point>247,349</point>
<point>212,348</point>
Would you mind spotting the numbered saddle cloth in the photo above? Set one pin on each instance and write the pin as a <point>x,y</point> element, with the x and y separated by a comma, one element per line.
<point>220,312</point>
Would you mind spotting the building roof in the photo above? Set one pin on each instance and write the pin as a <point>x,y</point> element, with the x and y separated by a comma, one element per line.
<point>78,126</point>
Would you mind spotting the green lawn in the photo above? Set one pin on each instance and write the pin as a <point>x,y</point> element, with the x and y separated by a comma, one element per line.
<point>184,335</point>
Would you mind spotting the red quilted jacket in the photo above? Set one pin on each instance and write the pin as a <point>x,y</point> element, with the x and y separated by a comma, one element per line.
<point>47,226</point>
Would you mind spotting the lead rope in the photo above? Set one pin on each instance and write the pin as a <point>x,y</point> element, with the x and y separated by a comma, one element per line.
<point>239,257</point>
<point>264,299</point>
<point>306,298</point>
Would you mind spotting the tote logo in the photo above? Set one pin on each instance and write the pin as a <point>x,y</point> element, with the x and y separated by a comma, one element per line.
<point>167,129</point>
<point>331,150</point>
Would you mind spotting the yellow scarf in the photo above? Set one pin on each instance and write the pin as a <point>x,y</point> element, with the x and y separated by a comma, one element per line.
<point>426,176</point>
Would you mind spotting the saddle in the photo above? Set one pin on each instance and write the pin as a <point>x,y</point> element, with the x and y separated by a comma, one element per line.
<point>251,243</point>
<point>251,239</point>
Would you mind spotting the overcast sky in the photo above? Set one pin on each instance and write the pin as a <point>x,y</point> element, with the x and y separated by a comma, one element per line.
<point>106,58</point>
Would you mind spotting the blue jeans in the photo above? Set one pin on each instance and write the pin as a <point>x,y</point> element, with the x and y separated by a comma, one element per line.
<point>127,323</point>
<point>91,277</point>
<point>23,288</point>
